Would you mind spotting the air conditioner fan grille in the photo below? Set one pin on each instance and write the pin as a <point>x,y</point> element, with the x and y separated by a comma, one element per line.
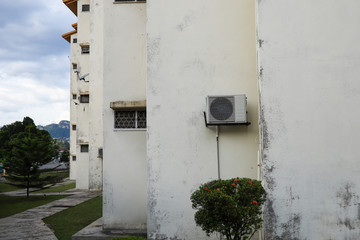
<point>221,108</point>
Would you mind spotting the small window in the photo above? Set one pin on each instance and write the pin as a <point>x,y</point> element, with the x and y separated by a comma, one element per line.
<point>74,158</point>
<point>84,98</point>
<point>74,127</point>
<point>74,40</point>
<point>85,7</point>
<point>100,153</point>
<point>74,96</point>
<point>84,148</point>
<point>74,66</point>
<point>130,119</point>
<point>85,49</point>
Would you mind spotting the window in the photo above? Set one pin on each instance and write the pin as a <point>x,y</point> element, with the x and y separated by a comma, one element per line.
<point>74,158</point>
<point>74,66</point>
<point>84,148</point>
<point>74,127</point>
<point>100,153</point>
<point>75,40</point>
<point>130,119</point>
<point>84,98</point>
<point>85,49</point>
<point>85,7</point>
<point>74,96</point>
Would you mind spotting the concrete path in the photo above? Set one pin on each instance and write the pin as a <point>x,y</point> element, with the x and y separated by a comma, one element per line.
<point>29,224</point>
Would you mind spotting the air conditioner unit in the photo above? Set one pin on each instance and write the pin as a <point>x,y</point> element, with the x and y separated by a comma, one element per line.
<point>229,109</point>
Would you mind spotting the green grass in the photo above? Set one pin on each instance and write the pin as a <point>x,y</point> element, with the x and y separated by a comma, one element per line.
<point>4,187</point>
<point>59,175</point>
<point>10,205</point>
<point>61,188</point>
<point>68,222</point>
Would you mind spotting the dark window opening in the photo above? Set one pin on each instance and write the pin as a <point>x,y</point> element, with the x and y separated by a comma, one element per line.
<point>85,7</point>
<point>84,98</point>
<point>84,148</point>
<point>85,49</point>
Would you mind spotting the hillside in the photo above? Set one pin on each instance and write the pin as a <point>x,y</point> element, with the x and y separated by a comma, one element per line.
<point>60,130</point>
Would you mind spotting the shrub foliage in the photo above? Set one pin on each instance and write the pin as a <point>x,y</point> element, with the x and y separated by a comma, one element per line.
<point>231,207</point>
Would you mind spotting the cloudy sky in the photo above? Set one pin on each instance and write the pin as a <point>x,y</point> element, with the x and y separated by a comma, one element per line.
<point>34,63</point>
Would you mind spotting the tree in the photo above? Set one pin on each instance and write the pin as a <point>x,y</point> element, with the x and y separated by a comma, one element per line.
<point>231,207</point>
<point>10,130</point>
<point>25,151</point>
<point>64,157</point>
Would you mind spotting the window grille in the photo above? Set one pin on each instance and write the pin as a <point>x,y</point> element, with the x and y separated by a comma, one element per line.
<point>84,98</point>
<point>130,119</point>
<point>85,7</point>
<point>74,96</point>
<point>84,148</point>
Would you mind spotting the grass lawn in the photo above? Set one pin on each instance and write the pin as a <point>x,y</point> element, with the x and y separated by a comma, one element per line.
<point>61,188</point>
<point>68,222</point>
<point>58,174</point>
<point>11,205</point>
<point>4,187</point>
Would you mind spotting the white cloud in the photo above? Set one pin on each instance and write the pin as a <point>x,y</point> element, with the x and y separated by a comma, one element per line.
<point>34,67</point>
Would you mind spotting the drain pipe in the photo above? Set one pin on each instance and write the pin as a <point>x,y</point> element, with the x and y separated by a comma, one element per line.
<point>218,160</point>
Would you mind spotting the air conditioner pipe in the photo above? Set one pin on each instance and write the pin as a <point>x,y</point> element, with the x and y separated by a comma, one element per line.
<point>217,150</point>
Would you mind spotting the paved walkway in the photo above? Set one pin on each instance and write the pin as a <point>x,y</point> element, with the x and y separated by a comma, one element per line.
<point>29,224</point>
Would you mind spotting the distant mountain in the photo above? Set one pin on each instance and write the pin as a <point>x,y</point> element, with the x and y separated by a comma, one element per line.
<point>61,130</point>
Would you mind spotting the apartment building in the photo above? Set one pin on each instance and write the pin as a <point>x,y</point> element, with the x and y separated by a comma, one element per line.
<point>152,66</point>
<point>85,104</point>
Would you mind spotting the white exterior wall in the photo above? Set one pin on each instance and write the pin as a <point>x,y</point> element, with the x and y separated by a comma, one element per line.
<point>195,49</point>
<point>95,86</point>
<point>82,130</point>
<point>309,68</point>
<point>124,167</point>
<point>74,52</point>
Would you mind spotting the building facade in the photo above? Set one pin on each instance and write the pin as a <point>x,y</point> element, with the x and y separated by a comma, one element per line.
<point>151,66</point>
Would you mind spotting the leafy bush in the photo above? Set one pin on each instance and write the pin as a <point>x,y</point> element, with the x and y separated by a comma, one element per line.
<point>231,207</point>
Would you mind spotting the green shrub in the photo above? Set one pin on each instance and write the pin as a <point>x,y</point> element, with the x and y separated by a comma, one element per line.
<point>231,207</point>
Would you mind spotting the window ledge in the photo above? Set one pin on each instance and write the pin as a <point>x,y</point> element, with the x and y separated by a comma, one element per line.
<point>133,105</point>
<point>129,129</point>
<point>127,2</point>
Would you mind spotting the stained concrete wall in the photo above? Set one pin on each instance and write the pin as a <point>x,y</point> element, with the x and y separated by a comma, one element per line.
<point>195,49</point>
<point>124,167</point>
<point>82,109</point>
<point>95,88</point>
<point>74,52</point>
<point>308,77</point>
